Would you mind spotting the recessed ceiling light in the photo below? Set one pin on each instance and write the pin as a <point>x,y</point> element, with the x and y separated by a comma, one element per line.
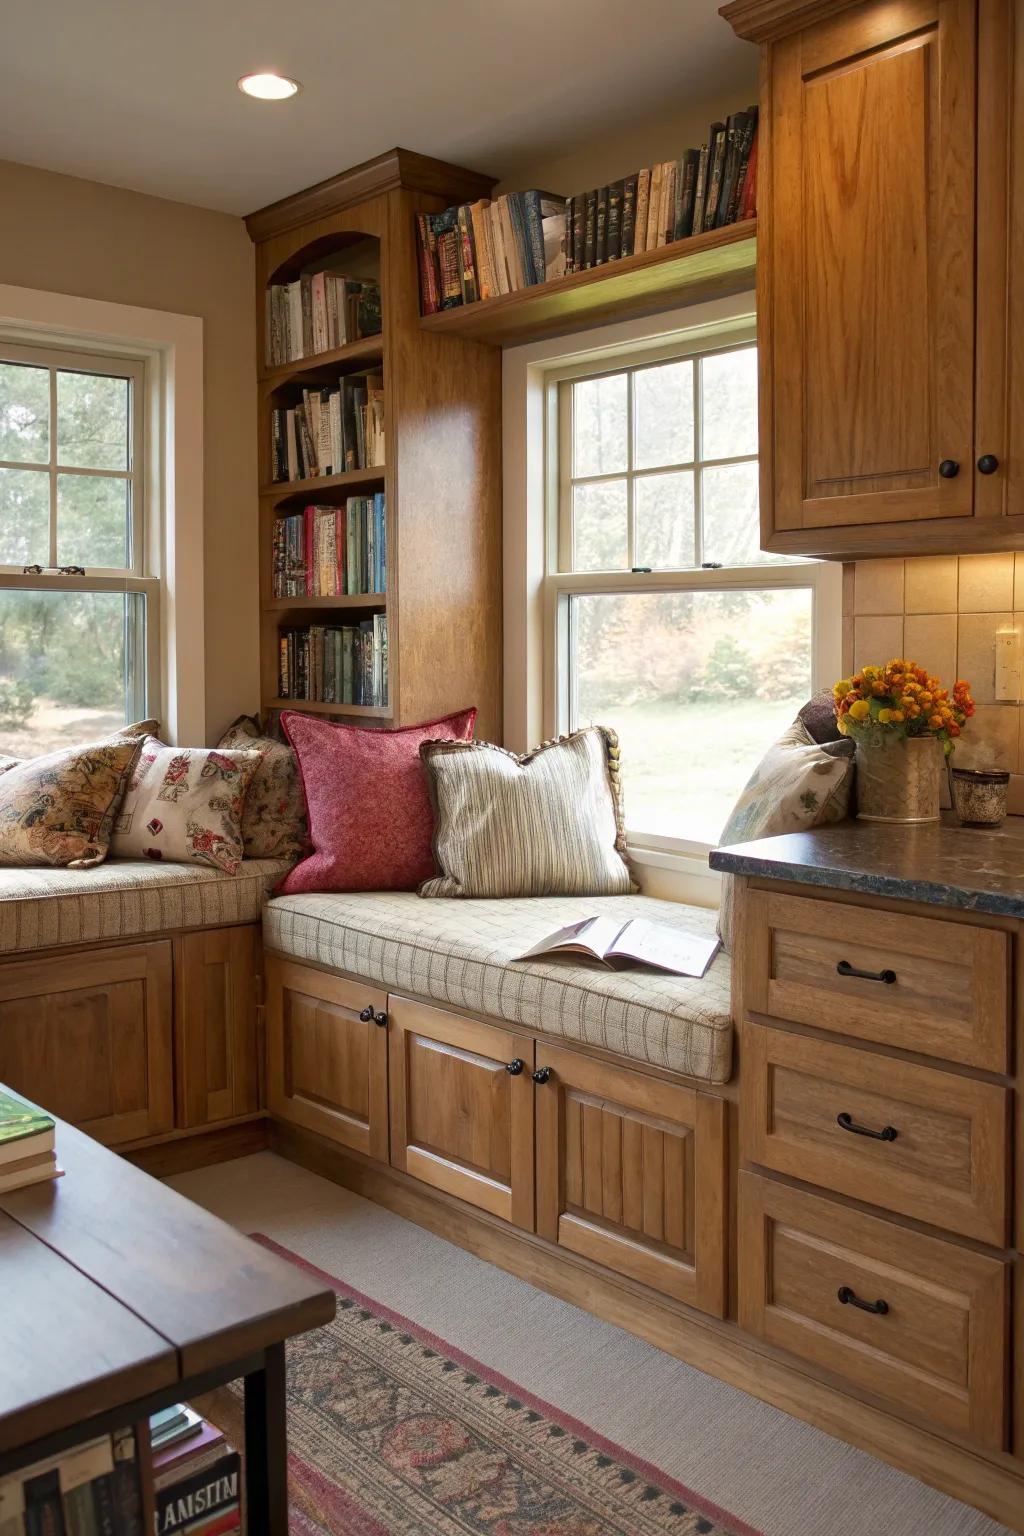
<point>268,87</point>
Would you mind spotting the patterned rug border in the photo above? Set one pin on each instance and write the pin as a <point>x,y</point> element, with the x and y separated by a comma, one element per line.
<point>576,1427</point>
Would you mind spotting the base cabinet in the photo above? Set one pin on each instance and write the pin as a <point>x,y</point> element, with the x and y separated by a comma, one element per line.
<point>631,1172</point>
<point>462,1108</point>
<point>216,1045</point>
<point>913,1319</point>
<point>90,1038</point>
<point>327,1055</point>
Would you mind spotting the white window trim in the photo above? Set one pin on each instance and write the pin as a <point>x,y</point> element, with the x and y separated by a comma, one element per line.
<point>531,711</point>
<point>172,348</point>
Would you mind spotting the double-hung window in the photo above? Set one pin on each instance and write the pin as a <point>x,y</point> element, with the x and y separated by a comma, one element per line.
<point>78,596</point>
<point>666,620</point>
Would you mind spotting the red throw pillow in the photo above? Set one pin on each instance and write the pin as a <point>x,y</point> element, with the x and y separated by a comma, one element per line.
<point>370,818</point>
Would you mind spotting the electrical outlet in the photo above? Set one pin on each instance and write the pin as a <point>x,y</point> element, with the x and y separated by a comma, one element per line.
<point>1008,664</point>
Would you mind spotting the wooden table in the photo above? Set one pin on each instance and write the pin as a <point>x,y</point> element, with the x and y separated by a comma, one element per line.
<point>118,1297</point>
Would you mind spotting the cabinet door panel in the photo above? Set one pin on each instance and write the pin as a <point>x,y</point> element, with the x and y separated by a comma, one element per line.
<point>460,1121</point>
<point>327,1067</point>
<point>872,265</point>
<point>631,1173</point>
<point>216,1047</point>
<point>88,1036</point>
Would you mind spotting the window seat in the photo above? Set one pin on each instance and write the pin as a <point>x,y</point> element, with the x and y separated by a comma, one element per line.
<point>125,899</point>
<point>460,953</point>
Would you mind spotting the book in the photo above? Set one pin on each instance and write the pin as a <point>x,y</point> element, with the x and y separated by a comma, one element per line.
<point>629,188</point>
<point>127,1483</point>
<point>172,1425</point>
<point>28,1170</point>
<point>205,1501</point>
<point>620,945</point>
<point>590,230</point>
<point>688,187</point>
<point>615,195</point>
<point>44,1507</point>
<point>643,198</point>
<point>24,1129</point>
<point>700,190</point>
<point>748,196</point>
<point>716,167</point>
<point>601,228</point>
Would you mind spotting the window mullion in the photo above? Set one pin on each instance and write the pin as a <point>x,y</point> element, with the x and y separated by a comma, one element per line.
<point>53,466</point>
<point>698,509</point>
<point>630,499</point>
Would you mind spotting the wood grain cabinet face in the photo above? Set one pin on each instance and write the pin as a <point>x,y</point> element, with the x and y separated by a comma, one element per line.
<point>932,1333</point>
<point>868,275</point>
<point>941,989</point>
<point>929,1144</point>
<point>216,1040</point>
<point>631,1174</point>
<point>460,1120</point>
<point>327,1069</point>
<point>89,1036</point>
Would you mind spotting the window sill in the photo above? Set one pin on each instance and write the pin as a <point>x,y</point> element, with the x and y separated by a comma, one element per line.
<point>676,874</point>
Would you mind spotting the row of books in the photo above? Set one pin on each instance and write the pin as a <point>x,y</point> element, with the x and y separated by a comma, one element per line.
<point>92,1490</point>
<point>483,249</point>
<point>317,313</point>
<point>331,551</point>
<point>331,431</point>
<point>490,247</point>
<point>196,1476</point>
<point>706,189</point>
<point>27,1144</point>
<point>336,663</point>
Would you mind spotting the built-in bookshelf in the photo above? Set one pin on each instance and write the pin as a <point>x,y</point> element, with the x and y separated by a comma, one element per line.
<point>436,495</point>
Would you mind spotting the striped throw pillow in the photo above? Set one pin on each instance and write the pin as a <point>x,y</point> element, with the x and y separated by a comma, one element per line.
<point>545,824</point>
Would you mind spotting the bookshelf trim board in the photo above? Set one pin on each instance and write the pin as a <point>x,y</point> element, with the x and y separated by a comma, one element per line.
<point>704,266</point>
<point>307,604</point>
<point>279,489</point>
<point>367,349</point>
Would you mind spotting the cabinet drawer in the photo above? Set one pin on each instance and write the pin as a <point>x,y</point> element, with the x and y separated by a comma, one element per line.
<point>930,1333</point>
<point>930,1144</point>
<point>939,988</point>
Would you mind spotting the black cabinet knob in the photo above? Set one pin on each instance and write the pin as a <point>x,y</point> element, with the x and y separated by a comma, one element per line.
<point>515,1066</point>
<point>542,1074</point>
<point>988,464</point>
<point>366,1014</point>
<point>381,1020</point>
<point>949,469</point>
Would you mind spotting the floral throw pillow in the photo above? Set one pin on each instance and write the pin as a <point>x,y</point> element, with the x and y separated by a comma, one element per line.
<point>798,784</point>
<point>185,805</point>
<point>274,824</point>
<point>58,809</point>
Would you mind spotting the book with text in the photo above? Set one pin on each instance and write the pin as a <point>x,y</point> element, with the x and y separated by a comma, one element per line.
<point>637,942</point>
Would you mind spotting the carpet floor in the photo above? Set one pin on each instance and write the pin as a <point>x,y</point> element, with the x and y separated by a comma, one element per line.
<point>771,1472</point>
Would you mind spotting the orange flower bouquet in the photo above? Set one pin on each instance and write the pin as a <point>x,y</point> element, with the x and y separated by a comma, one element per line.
<point>896,715</point>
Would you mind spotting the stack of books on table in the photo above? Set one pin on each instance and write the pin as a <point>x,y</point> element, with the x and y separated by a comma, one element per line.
<point>27,1153</point>
<point>92,1490</point>
<point>196,1475</point>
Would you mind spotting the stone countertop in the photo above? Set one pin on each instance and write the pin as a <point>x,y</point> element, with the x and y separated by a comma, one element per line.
<point>976,869</point>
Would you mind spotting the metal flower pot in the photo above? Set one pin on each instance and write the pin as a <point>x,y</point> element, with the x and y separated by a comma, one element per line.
<point>898,778</point>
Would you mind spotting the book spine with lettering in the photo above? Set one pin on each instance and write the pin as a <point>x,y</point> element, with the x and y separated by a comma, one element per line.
<point>615,194</point>
<point>446,239</point>
<point>428,270</point>
<point>590,230</point>
<point>716,166</point>
<point>654,207</point>
<point>629,187</point>
<point>684,223</point>
<point>579,228</point>
<point>748,201</point>
<point>522,243</point>
<point>700,191</point>
<point>533,228</point>
<point>208,1500</point>
<point>746,146</point>
<point>478,214</point>
<point>601,228</point>
<point>44,1512</point>
<point>643,200</point>
<point>127,1484</point>
<point>467,265</point>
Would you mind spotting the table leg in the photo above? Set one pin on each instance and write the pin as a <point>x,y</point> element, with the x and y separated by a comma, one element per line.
<point>266,1447</point>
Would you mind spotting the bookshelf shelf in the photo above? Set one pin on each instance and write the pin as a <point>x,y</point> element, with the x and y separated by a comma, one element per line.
<point>350,480</point>
<point>315,707</point>
<point>703,267</point>
<point>374,600</point>
<point>357,354</point>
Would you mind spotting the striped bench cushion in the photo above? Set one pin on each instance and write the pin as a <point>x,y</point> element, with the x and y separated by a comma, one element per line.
<point>460,953</point>
<point>126,899</point>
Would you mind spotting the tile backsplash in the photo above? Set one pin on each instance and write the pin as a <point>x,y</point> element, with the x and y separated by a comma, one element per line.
<point>944,611</point>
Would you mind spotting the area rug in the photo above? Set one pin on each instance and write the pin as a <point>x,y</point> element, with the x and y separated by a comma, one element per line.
<point>395,1432</point>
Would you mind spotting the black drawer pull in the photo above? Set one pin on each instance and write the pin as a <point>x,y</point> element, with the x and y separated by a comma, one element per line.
<point>848,1123</point>
<point>515,1066</point>
<point>846,969</point>
<point>851,1299</point>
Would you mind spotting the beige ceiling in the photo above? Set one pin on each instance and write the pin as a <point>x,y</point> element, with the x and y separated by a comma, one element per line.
<point>142,94</point>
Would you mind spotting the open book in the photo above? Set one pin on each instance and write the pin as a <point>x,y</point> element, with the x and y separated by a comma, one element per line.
<point>619,945</point>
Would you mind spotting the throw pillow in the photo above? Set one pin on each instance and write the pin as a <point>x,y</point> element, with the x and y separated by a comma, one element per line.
<point>798,784</point>
<point>274,820</point>
<point>58,809</point>
<point>545,824</point>
<point>819,716</point>
<point>370,820</point>
<point>185,804</point>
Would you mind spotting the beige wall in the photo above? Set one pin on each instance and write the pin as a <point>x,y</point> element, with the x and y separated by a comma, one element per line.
<point>944,611</point>
<point>79,237</point>
<point>604,157</point>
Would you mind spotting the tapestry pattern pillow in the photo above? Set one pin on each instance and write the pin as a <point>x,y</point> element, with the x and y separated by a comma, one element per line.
<point>274,824</point>
<point>185,804</point>
<point>548,823</point>
<point>370,820</point>
<point>58,809</point>
<point>797,785</point>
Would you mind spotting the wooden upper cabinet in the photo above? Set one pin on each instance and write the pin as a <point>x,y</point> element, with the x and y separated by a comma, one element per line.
<point>881,274</point>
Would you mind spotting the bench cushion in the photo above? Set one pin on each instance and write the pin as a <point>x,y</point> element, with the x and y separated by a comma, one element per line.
<point>125,899</point>
<point>460,953</point>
